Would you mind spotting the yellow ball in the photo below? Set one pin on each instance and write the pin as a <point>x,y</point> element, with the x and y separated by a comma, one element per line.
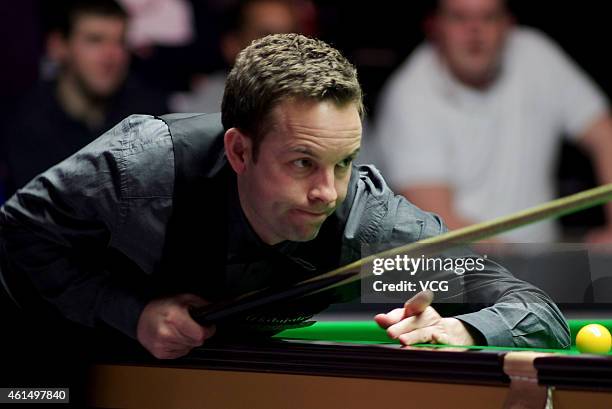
<point>594,339</point>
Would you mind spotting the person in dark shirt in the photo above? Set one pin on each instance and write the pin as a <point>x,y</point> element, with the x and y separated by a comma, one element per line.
<point>91,93</point>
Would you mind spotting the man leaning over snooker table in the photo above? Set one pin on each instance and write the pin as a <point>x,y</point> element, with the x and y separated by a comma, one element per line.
<point>159,215</point>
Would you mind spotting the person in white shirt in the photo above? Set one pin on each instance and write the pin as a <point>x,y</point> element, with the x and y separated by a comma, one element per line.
<point>470,125</point>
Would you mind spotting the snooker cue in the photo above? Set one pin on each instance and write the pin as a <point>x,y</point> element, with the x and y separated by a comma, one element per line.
<point>436,244</point>
<point>429,246</point>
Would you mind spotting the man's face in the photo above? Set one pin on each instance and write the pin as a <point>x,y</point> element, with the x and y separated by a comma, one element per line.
<point>261,18</point>
<point>95,54</point>
<point>267,17</point>
<point>302,170</point>
<point>470,35</point>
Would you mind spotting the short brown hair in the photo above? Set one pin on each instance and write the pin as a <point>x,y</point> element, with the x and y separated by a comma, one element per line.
<point>283,66</point>
<point>75,9</point>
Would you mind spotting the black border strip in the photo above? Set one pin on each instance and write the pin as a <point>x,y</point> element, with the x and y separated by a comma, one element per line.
<point>387,361</point>
<point>575,372</point>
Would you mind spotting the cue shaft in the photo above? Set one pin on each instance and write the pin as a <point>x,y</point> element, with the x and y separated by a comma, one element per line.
<point>479,231</point>
<point>426,247</point>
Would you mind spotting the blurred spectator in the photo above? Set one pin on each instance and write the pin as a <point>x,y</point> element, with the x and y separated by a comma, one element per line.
<point>161,37</point>
<point>471,124</point>
<point>158,22</point>
<point>90,94</point>
<point>247,21</point>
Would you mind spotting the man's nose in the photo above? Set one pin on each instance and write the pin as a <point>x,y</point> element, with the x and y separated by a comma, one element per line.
<point>473,25</point>
<point>115,52</point>
<point>324,187</point>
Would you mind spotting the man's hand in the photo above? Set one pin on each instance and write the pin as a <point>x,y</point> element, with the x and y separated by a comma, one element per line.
<point>419,323</point>
<point>166,329</point>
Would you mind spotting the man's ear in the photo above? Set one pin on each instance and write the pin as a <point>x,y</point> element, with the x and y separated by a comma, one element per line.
<point>238,149</point>
<point>57,47</point>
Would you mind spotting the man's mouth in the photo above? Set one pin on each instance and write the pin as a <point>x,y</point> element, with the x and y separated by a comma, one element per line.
<point>313,214</point>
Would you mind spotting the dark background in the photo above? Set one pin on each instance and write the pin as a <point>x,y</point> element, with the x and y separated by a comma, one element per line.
<point>376,36</point>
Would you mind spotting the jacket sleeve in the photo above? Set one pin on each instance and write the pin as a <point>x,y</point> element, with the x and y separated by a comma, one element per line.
<point>509,311</point>
<point>60,229</point>
<point>504,310</point>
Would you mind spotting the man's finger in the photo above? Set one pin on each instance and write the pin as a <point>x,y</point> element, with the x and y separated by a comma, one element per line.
<point>418,303</point>
<point>177,349</point>
<point>173,353</point>
<point>390,318</point>
<point>193,300</point>
<point>169,350</point>
<point>418,336</point>
<point>413,306</point>
<point>413,323</point>
<point>192,332</point>
<point>404,326</point>
<point>172,346</point>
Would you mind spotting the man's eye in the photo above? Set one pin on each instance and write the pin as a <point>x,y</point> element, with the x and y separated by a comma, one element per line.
<point>493,18</point>
<point>93,39</point>
<point>302,163</point>
<point>345,163</point>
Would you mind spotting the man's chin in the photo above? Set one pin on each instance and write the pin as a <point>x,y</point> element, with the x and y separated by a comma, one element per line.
<point>102,90</point>
<point>304,236</point>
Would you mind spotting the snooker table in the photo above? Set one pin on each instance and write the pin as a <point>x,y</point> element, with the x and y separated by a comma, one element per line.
<point>331,364</point>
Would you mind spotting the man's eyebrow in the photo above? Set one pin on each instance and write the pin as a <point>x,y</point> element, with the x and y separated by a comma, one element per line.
<point>305,150</point>
<point>355,153</point>
<point>352,155</point>
<point>302,149</point>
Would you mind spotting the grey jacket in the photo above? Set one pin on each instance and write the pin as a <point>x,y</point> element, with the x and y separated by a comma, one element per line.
<point>117,193</point>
